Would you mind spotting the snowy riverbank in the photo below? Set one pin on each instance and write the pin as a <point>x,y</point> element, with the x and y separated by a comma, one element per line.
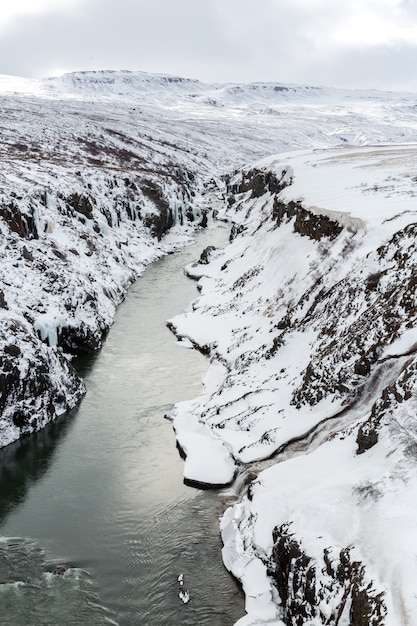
<point>308,317</point>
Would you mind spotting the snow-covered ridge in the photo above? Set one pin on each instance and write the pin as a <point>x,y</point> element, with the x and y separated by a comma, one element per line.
<point>126,83</point>
<point>309,317</point>
<point>119,83</point>
<point>130,82</point>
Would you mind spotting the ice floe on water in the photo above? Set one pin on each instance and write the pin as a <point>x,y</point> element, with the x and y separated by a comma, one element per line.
<point>183,593</point>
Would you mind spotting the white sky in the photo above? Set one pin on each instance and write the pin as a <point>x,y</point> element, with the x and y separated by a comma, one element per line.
<point>355,43</point>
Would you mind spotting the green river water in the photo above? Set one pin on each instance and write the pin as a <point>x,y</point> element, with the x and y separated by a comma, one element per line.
<point>101,491</point>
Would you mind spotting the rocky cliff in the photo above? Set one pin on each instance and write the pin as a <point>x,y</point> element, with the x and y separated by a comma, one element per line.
<point>311,314</point>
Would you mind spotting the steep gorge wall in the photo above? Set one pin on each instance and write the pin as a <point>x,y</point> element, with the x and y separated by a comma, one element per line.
<point>71,247</point>
<point>377,307</point>
<point>312,319</point>
<point>332,591</point>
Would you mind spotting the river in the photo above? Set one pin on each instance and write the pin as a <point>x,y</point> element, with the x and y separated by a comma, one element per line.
<point>101,491</point>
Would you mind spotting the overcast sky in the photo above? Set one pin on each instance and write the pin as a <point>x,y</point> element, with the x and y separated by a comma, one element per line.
<point>343,43</point>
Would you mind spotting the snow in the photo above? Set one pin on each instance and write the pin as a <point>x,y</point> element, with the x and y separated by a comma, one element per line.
<point>326,509</point>
<point>405,344</point>
<point>48,326</point>
<point>207,459</point>
<point>250,571</point>
<point>310,336</point>
<point>332,497</point>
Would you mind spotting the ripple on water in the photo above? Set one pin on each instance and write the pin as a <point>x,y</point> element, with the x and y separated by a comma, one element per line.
<point>157,557</point>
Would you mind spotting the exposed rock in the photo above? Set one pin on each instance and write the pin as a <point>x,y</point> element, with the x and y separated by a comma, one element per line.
<point>28,256</point>
<point>21,222</point>
<point>236,230</point>
<point>258,182</point>
<point>159,223</point>
<point>306,223</point>
<point>367,437</point>
<point>79,340</point>
<point>3,303</point>
<point>12,349</point>
<point>33,394</point>
<point>362,366</point>
<point>205,255</point>
<point>162,220</point>
<point>204,219</point>
<point>304,594</point>
<point>81,204</point>
<point>60,570</point>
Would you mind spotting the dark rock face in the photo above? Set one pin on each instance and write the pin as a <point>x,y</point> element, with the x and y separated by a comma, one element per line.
<point>205,255</point>
<point>162,220</point>
<point>204,219</point>
<point>236,230</point>
<point>79,341</point>
<point>60,570</point>
<point>362,366</point>
<point>36,389</point>
<point>301,590</point>
<point>3,303</point>
<point>20,222</point>
<point>292,564</point>
<point>367,437</point>
<point>159,223</point>
<point>258,182</point>
<point>306,223</point>
<point>81,204</point>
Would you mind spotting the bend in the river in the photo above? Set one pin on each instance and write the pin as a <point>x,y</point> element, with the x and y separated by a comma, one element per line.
<point>102,492</point>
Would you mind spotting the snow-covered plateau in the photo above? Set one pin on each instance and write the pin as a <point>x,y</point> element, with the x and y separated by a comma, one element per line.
<point>308,316</point>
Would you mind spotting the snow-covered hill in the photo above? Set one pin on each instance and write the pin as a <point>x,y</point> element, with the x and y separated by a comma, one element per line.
<point>308,316</point>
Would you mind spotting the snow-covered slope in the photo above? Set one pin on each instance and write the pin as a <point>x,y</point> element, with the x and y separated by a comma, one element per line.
<point>308,316</point>
<point>310,320</point>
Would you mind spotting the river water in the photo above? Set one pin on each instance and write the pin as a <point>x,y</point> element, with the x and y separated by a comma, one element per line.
<point>101,491</point>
